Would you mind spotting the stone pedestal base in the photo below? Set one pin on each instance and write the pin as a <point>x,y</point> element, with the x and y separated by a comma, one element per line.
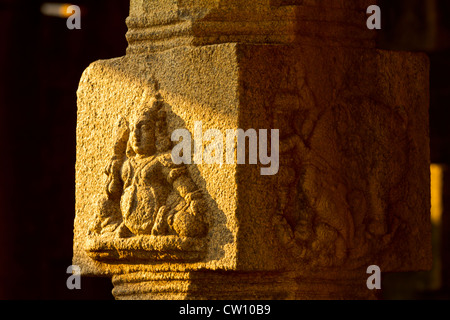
<point>230,285</point>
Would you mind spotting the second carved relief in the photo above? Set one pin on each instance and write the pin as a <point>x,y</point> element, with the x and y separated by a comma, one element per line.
<point>323,216</point>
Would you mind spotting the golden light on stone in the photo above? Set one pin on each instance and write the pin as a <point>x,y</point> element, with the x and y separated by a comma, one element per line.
<point>437,174</point>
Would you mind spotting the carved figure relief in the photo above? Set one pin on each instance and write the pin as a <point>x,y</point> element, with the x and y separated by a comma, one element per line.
<point>321,213</point>
<point>146,194</point>
<point>314,224</point>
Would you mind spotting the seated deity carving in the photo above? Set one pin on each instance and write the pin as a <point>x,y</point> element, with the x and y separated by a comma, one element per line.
<point>146,192</point>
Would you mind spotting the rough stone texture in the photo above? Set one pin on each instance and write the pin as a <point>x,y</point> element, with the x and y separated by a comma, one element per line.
<point>353,185</point>
<point>160,25</point>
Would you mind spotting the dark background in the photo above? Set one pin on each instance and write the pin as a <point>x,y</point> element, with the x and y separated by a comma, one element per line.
<point>41,62</point>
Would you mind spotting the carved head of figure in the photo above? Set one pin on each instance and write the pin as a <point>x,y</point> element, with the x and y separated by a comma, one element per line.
<point>148,131</point>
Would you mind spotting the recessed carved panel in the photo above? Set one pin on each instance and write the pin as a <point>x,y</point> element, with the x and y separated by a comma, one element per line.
<point>333,209</point>
<point>151,208</point>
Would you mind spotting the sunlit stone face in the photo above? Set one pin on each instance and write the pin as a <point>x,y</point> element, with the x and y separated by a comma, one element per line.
<point>142,136</point>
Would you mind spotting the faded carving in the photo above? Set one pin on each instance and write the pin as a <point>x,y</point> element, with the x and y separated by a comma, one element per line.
<point>321,213</point>
<point>147,194</point>
<point>314,224</point>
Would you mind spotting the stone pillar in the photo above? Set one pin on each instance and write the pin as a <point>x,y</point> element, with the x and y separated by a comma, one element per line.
<point>352,186</point>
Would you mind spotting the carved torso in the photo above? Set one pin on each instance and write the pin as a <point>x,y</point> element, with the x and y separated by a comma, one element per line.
<point>145,191</point>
